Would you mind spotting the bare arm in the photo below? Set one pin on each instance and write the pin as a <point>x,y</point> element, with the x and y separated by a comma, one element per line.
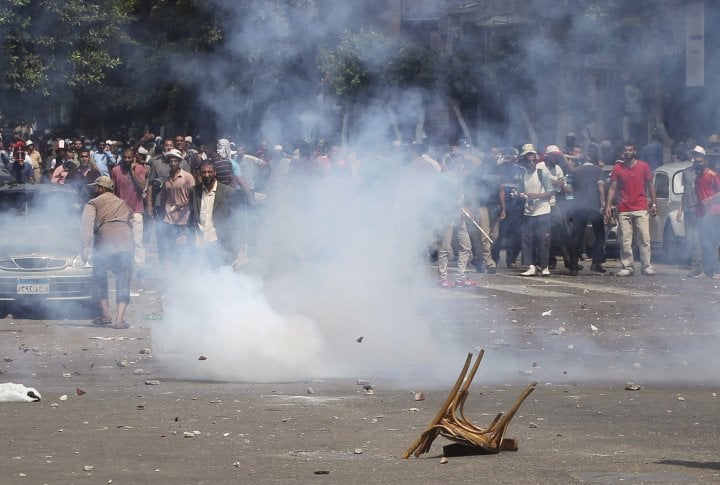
<point>653,200</point>
<point>610,198</point>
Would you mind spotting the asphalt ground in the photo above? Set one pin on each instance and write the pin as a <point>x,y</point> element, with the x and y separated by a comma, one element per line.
<point>111,412</point>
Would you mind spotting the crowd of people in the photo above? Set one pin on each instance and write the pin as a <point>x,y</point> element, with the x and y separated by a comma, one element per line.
<point>543,204</point>
<point>536,205</point>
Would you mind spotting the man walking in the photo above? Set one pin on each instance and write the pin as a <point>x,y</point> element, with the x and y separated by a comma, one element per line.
<point>631,179</point>
<point>214,214</point>
<point>174,209</point>
<point>129,178</point>
<point>107,236</point>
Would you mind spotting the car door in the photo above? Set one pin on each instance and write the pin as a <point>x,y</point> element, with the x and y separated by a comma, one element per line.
<point>661,181</point>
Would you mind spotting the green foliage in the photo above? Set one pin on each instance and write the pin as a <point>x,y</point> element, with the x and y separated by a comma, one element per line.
<point>358,64</point>
<point>413,66</point>
<point>50,42</point>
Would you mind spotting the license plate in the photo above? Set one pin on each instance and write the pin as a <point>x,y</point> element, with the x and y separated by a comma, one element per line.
<point>33,287</point>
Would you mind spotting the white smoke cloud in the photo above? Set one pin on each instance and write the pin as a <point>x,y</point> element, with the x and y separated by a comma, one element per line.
<point>335,262</point>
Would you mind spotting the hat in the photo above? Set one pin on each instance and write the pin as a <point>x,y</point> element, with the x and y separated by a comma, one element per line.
<point>173,153</point>
<point>223,148</point>
<point>142,151</point>
<point>104,181</point>
<point>109,142</point>
<point>699,149</point>
<point>28,143</point>
<point>188,139</point>
<point>528,148</point>
<point>278,148</point>
<point>553,149</point>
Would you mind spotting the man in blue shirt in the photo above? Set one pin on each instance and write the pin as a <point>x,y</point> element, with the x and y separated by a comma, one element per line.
<point>103,158</point>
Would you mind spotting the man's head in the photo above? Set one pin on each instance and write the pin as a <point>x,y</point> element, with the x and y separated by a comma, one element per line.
<point>180,142</point>
<point>629,151</point>
<point>19,154</point>
<point>168,144</point>
<point>570,141</point>
<point>29,146</point>
<point>141,156</point>
<point>577,153</point>
<point>102,184</point>
<point>698,159</point>
<point>101,146</point>
<point>128,156</point>
<point>84,157</point>
<point>529,153</point>
<point>77,144</point>
<point>173,157</point>
<point>207,173</point>
<point>593,153</point>
<point>223,148</point>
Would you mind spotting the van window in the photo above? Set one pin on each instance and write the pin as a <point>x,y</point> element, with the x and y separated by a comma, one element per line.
<point>662,186</point>
<point>677,185</point>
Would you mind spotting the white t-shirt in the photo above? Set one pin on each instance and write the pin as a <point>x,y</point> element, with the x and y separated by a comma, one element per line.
<point>533,185</point>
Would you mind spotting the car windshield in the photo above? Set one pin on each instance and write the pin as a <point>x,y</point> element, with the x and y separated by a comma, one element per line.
<point>36,221</point>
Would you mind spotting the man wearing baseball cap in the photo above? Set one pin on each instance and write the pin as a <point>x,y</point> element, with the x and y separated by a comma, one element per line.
<point>107,238</point>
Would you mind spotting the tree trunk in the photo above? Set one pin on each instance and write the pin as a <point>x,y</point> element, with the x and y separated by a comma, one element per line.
<point>420,126</point>
<point>658,118</point>
<point>345,126</point>
<point>461,120</point>
<point>532,134</point>
<point>394,122</point>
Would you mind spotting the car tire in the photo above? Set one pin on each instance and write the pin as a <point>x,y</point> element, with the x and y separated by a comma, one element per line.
<point>670,246</point>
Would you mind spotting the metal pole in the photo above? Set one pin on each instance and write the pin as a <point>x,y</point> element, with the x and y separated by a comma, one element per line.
<point>477,225</point>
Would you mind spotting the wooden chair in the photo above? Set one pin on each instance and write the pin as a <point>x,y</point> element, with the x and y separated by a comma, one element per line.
<point>451,422</point>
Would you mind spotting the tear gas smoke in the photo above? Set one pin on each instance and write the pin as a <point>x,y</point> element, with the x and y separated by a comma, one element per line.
<point>342,263</point>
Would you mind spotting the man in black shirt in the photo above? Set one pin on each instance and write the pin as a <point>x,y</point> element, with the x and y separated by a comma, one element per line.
<point>587,206</point>
<point>483,194</point>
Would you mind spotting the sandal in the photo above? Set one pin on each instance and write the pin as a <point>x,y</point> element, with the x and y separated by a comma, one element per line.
<point>101,321</point>
<point>121,325</point>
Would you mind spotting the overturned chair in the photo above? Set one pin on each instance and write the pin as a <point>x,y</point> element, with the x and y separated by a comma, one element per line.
<point>451,422</point>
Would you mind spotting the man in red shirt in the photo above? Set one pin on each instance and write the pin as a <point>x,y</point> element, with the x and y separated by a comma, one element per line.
<point>707,188</point>
<point>129,179</point>
<point>631,179</point>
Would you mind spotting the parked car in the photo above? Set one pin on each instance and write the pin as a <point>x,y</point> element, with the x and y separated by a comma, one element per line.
<point>40,246</point>
<point>667,236</point>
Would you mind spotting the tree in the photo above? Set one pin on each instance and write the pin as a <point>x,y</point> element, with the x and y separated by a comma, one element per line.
<point>49,48</point>
<point>413,69</point>
<point>355,70</point>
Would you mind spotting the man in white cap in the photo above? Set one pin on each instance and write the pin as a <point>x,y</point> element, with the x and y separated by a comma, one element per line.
<point>537,190</point>
<point>707,189</point>
<point>35,159</point>
<point>173,214</point>
<point>687,213</point>
<point>107,238</point>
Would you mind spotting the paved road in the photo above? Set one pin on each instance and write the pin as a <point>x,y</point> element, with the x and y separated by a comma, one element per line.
<point>582,339</point>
